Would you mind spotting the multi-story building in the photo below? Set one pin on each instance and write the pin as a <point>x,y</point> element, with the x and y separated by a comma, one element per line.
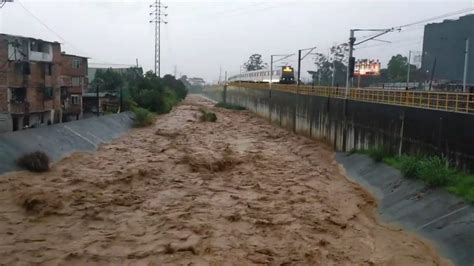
<point>445,44</point>
<point>29,77</point>
<point>73,83</point>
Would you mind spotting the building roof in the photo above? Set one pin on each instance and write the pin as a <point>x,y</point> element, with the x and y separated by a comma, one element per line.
<point>72,55</point>
<point>24,37</point>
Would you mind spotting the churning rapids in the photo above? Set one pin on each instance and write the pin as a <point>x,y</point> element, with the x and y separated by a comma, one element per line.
<point>183,192</point>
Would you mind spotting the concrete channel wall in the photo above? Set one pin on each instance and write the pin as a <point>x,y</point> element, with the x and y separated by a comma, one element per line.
<point>60,140</point>
<point>365,125</point>
<point>433,213</point>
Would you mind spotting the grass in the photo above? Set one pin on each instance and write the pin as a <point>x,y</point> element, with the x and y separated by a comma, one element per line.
<point>229,106</point>
<point>433,170</point>
<point>37,161</point>
<point>207,116</point>
<point>143,117</point>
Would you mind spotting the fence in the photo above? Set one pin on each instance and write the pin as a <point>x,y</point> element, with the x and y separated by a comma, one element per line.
<point>444,101</point>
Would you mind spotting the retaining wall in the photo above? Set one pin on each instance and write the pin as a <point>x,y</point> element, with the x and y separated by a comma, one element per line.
<point>433,213</point>
<point>397,128</point>
<point>59,140</point>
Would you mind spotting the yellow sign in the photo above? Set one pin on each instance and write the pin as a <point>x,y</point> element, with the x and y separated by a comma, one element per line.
<point>287,69</point>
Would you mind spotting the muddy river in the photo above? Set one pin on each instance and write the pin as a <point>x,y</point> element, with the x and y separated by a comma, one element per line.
<point>185,192</point>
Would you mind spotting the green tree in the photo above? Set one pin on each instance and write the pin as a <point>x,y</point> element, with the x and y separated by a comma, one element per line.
<point>255,62</point>
<point>397,69</point>
<point>109,79</point>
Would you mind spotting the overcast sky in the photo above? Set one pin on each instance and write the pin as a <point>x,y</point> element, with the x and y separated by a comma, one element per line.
<point>203,36</point>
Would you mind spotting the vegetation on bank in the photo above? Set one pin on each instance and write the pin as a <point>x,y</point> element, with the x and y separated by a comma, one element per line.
<point>37,161</point>
<point>207,116</point>
<point>142,92</point>
<point>433,170</point>
<point>143,117</point>
<point>229,106</point>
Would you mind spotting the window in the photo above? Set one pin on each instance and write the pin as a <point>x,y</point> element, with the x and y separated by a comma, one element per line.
<point>48,92</point>
<point>48,69</point>
<point>22,68</point>
<point>76,81</point>
<point>39,46</point>
<point>18,95</point>
<point>76,63</point>
<point>75,99</point>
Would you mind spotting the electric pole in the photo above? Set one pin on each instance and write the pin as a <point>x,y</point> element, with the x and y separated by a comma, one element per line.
<point>157,13</point>
<point>466,58</point>
<point>408,68</point>
<point>351,62</point>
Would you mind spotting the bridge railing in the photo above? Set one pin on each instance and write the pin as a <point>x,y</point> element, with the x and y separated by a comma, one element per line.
<point>445,101</point>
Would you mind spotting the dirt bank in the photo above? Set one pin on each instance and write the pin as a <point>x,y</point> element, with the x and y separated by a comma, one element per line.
<point>185,192</point>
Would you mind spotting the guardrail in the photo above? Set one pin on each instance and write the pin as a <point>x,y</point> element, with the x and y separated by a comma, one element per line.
<point>444,101</point>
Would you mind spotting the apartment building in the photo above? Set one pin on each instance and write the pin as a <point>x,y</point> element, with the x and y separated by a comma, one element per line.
<point>29,91</point>
<point>39,85</point>
<point>73,84</point>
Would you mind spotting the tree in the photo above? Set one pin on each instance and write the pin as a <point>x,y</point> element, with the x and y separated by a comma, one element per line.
<point>326,66</point>
<point>397,68</point>
<point>110,80</point>
<point>255,62</point>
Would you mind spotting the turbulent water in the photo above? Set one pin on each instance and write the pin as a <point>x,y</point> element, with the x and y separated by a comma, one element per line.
<point>185,192</point>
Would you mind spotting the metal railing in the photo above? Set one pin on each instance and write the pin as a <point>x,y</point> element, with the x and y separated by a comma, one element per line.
<point>444,101</point>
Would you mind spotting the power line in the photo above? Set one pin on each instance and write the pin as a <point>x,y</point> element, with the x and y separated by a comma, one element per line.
<point>48,28</point>
<point>458,12</point>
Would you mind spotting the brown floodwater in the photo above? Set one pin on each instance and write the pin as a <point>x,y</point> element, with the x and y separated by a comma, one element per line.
<point>183,192</point>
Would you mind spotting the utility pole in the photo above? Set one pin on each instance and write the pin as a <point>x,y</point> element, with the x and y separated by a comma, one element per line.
<point>432,73</point>
<point>351,62</point>
<point>408,68</point>
<point>466,59</point>
<point>299,71</point>
<point>351,59</point>
<point>157,14</point>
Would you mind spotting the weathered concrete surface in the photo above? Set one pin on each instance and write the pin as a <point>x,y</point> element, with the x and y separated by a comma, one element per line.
<point>433,213</point>
<point>60,140</point>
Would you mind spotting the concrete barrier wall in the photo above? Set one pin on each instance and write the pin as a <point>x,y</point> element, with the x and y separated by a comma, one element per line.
<point>60,140</point>
<point>365,125</point>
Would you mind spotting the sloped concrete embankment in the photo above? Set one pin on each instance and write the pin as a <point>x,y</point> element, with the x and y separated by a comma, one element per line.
<point>433,213</point>
<point>62,139</point>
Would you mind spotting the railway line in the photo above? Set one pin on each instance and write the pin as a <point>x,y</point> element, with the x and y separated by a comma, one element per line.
<point>443,101</point>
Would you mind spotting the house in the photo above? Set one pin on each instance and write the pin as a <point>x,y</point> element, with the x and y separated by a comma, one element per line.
<point>73,84</point>
<point>109,102</point>
<point>29,82</point>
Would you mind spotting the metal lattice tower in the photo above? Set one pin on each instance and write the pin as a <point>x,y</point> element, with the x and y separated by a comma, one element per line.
<point>157,12</point>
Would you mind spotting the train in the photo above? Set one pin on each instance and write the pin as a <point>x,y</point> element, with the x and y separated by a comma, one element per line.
<point>285,75</point>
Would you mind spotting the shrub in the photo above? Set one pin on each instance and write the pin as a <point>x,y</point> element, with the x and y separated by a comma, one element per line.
<point>408,166</point>
<point>434,171</point>
<point>229,106</point>
<point>37,161</point>
<point>207,116</point>
<point>143,117</point>
<point>377,154</point>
